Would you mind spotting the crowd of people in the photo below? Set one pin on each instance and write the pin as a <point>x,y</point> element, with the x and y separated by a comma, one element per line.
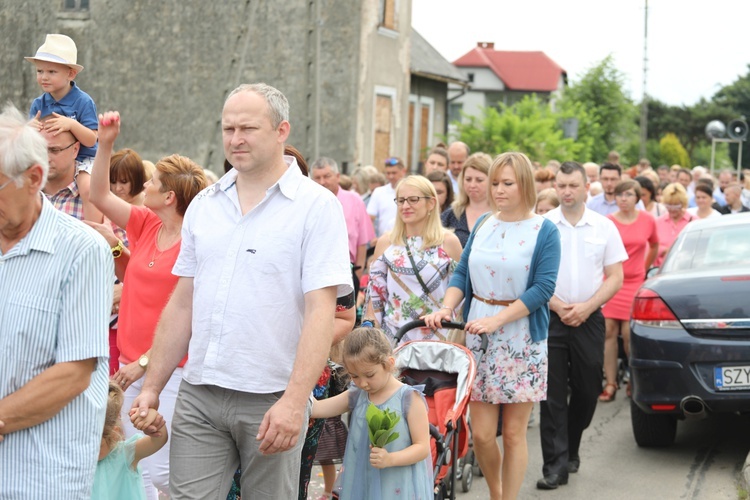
<point>167,332</point>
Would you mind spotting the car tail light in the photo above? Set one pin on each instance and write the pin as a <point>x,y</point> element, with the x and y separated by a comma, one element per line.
<point>649,309</point>
<point>663,407</point>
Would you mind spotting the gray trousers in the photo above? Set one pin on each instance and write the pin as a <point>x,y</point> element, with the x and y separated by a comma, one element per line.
<point>213,431</point>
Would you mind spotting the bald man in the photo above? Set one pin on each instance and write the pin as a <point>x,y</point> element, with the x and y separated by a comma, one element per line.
<point>458,152</point>
<point>592,171</point>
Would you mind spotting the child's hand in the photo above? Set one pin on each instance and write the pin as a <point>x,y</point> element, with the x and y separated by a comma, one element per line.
<point>380,458</point>
<point>152,419</point>
<point>109,127</point>
<point>36,123</point>
<point>58,123</point>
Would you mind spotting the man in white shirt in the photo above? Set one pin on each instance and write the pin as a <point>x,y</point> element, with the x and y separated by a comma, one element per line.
<point>263,258</point>
<point>590,274</point>
<point>458,152</point>
<point>382,205</point>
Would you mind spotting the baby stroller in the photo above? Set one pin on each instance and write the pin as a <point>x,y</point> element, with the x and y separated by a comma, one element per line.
<point>447,371</point>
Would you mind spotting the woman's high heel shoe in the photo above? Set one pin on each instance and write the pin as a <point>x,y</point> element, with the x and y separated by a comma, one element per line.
<point>608,394</point>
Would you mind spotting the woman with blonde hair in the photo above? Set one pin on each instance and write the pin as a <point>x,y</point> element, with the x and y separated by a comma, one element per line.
<point>507,275</point>
<point>412,264</point>
<point>668,226</point>
<point>471,199</point>
<point>546,200</point>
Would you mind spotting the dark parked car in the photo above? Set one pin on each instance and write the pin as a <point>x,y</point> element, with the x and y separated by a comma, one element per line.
<point>690,331</point>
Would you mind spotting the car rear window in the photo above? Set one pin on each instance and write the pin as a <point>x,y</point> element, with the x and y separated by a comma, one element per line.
<point>715,247</point>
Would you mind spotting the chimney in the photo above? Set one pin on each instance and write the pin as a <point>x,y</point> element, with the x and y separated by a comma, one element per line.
<point>486,45</point>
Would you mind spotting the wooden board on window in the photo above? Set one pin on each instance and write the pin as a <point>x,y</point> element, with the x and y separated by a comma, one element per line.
<point>411,134</point>
<point>389,14</point>
<point>383,119</point>
<point>424,140</point>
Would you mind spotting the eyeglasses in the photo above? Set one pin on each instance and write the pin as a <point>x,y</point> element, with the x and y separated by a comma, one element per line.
<point>3,186</point>
<point>625,194</point>
<point>673,207</point>
<point>57,151</point>
<point>411,200</point>
<point>391,162</point>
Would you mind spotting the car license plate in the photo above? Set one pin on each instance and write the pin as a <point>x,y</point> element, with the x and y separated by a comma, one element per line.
<point>732,377</point>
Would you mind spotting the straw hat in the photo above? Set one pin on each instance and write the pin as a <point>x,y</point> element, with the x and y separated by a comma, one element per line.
<point>58,49</point>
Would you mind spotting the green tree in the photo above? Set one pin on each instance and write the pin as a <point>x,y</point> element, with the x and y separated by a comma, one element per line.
<point>528,126</point>
<point>736,97</point>
<point>600,91</point>
<point>672,152</point>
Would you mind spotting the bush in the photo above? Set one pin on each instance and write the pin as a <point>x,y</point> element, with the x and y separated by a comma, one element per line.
<point>672,152</point>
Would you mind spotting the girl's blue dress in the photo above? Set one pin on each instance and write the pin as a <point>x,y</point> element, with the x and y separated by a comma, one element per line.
<point>115,479</point>
<point>359,480</point>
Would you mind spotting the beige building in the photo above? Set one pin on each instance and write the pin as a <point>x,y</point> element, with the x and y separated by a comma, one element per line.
<point>169,65</point>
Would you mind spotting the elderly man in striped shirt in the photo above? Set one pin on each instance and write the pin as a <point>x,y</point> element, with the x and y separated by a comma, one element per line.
<point>55,296</point>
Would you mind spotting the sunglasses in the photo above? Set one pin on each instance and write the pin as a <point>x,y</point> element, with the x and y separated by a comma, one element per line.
<point>391,162</point>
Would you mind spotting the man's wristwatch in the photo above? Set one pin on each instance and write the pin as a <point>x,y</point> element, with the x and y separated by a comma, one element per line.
<point>143,361</point>
<point>117,250</point>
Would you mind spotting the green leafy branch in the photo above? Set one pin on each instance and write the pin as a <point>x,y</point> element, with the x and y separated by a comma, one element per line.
<point>380,424</point>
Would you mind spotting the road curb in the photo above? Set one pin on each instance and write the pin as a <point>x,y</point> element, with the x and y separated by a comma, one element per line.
<point>745,476</point>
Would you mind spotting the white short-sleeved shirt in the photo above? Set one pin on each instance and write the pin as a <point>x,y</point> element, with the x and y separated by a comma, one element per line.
<point>383,207</point>
<point>587,249</point>
<point>55,300</point>
<point>251,273</point>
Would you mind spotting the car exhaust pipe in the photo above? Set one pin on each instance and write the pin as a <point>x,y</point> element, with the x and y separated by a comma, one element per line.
<point>693,407</point>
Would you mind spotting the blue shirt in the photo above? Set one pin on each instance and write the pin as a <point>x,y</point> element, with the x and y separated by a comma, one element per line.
<point>77,105</point>
<point>55,299</point>
<point>599,204</point>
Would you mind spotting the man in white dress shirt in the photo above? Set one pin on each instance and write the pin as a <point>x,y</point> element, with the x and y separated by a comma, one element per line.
<point>590,274</point>
<point>264,255</point>
<point>382,205</point>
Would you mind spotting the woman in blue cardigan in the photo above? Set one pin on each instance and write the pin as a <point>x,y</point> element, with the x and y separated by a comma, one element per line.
<point>507,275</point>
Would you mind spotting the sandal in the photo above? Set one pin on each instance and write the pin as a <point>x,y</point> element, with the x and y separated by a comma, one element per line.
<point>608,395</point>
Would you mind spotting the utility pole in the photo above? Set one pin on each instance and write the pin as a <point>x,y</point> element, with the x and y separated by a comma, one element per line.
<point>644,101</point>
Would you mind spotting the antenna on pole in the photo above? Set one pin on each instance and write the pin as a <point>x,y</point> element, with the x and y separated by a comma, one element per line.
<point>644,100</point>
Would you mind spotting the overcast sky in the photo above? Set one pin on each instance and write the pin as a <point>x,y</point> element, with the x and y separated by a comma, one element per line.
<point>694,48</point>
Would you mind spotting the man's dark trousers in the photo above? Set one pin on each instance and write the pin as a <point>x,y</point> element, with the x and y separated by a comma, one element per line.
<point>576,356</point>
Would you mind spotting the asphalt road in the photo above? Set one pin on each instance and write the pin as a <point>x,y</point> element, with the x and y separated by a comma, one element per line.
<point>704,462</point>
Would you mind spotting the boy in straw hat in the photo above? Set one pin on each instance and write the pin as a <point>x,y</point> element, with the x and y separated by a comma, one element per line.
<point>64,106</point>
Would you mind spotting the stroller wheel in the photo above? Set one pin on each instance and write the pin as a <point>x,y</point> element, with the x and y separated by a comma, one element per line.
<point>467,477</point>
<point>440,493</point>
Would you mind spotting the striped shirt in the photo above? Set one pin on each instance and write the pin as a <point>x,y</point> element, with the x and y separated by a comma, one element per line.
<point>55,298</point>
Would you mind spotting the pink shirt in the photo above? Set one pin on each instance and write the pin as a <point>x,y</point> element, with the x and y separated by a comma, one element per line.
<point>358,222</point>
<point>668,231</point>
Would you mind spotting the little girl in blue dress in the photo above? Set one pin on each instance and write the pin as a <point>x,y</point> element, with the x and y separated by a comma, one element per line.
<point>401,469</point>
<point>118,476</point>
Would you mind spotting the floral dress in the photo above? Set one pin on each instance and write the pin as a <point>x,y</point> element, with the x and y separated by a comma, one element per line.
<point>396,294</point>
<point>514,368</point>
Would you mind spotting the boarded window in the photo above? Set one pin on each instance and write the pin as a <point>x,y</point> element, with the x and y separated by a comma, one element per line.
<point>388,14</point>
<point>383,119</point>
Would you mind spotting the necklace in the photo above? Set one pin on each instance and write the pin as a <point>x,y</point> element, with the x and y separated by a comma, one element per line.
<point>154,256</point>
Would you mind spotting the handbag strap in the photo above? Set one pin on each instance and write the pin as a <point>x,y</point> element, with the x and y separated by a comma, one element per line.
<point>414,266</point>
